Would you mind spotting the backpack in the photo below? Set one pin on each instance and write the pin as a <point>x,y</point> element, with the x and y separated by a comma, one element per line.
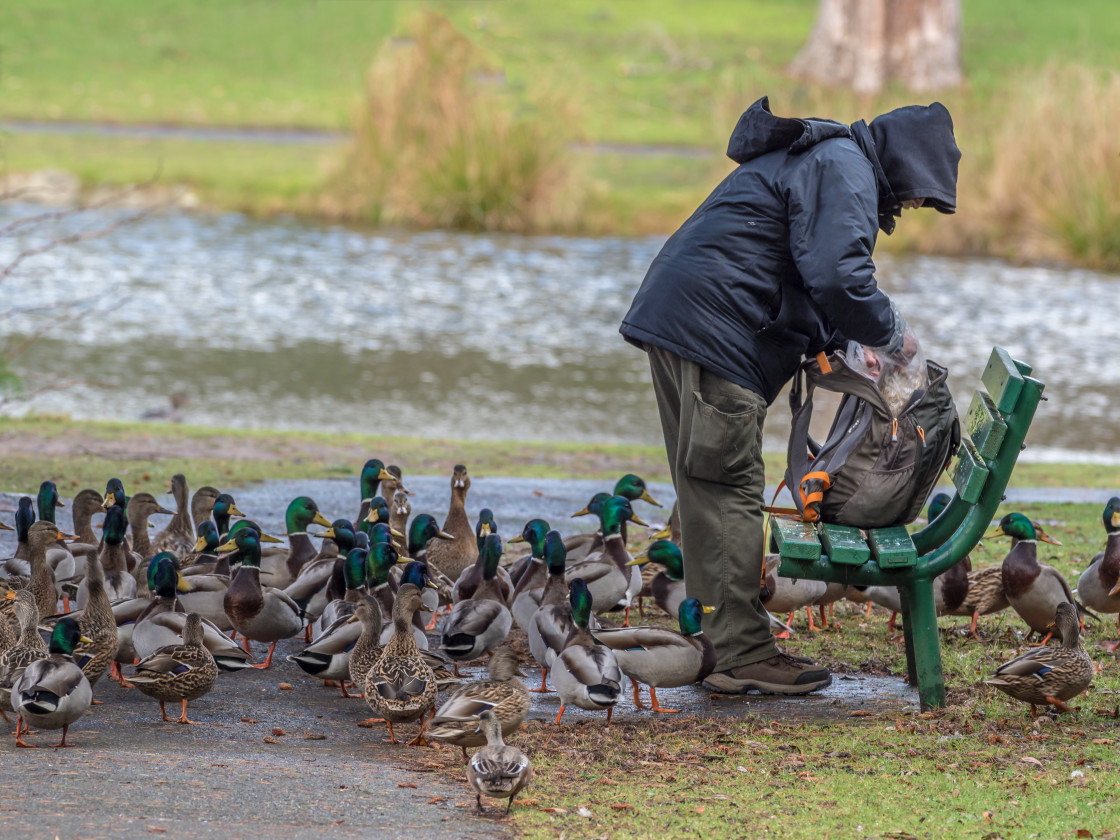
<point>874,470</point>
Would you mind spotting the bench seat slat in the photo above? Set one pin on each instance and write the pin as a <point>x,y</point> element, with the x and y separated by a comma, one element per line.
<point>844,544</point>
<point>795,539</point>
<point>892,548</point>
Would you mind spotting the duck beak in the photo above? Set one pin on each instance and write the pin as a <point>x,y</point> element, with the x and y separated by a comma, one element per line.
<point>58,503</point>
<point>394,532</point>
<point>327,534</point>
<point>270,539</point>
<point>512,540</point>
<point>64,537</point>
<point>998,532</point>
<point>200,544</point>
<point>401,558</point>
<point>385,475</point>
<point>1115,589</point>
<point>233,511</point>
<point>485,530</point>
<point>583,512</point>
<point>443,535</point>
<point>663,534</point>
<point>371,517</point>
<point>646,497</point>
<point>639,559</point>
<point>183,585</point>
<point>162,509</point>
<point>1044,537</point>
<point>109,501</point>
<point>432,585</point>
<point>352,619</point>
<point>227,547</point>
<point>634,518</point>
<point>85,640</point>
<point>321,520</point>
<point>708,609</point>
<point>4,527</point>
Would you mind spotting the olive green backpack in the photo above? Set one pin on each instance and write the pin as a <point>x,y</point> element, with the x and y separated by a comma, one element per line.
<point>874,469</point>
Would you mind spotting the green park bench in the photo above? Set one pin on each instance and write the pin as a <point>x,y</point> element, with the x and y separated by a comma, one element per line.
<point>993,434</point>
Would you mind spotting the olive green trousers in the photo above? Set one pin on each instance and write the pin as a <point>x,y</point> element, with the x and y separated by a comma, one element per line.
<point>713,438</point>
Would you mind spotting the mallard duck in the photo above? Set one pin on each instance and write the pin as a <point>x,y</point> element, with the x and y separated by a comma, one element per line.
<point>1033,589</point>
<point>454,556</point>
<point>280,567</point>
<point>471,577</point>
<point>114,494</point>
<point>120,585</point>
<point>353,566</point>
<point>178,673</point>
<point>632,488</point>
<point>400,686</point>
<point>309,589</point>
<point>261,614</point>
<point>1050,674</point>
<point>531,563</point>
<point>140,508</point>
<point>609,576</point>
<point>85,505</point>
<point>25,518</point>
<point>525,598</point>
<point>1099,585</point>
<point>552,623</point>
<point>52,692</point>
<point>165,583</point>
<point>202,504</point>
<point>40,536</point>
<point>28,647</point>
<point>485,525</point>
<point>178,536</point>
<point>203,557</point>
<point>373,473</point>
<point>497,770</point>
<point>421,532</point>
<point>482,622</point>
<point>399,511</point>
<point>456,720</point>
<point>225,508</point>
<point>661,658</point>
<point>204,590</point>
<point>98,648</point>
<point>60,557</point>
<point>667,586</point>
<point>586,673</point>
<point>785,596</point>
<point>367,650</point>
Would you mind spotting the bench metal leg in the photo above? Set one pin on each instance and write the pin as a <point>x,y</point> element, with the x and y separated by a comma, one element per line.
<point>908,636</point>
<point>922,637</point>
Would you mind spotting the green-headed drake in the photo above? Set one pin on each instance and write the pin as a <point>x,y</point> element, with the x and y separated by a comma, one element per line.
<point>52,692</point>
<point>586,673</point>
<point>667,586</point>
<point>608,575</point>
<point>552,623</point>
<point>529,572</point>
<point>261,614</point>
<point>1099,585</point>
<point>373,473</point>
<point>662,658</point>
<point>479,624</point>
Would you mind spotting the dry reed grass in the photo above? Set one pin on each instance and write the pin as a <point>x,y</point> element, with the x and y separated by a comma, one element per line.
<point>440,142</point>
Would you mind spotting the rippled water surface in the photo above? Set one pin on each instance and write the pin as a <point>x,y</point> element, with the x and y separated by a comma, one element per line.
<point>285,324</point>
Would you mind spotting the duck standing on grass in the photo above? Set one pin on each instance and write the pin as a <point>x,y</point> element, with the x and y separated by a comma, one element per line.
<point>1051,674</point>
<point>52,693</point>
<point>178,673</point>
<point>497,770</point>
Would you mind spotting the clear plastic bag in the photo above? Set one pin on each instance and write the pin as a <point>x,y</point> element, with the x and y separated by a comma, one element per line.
<point>897,375</point>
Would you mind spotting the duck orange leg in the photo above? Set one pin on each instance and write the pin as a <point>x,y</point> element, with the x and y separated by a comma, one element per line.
<point>824,620</point>
<point>626,617</point>
<point>392,737</point>
<point>891,621</point>
<point>972,631</point>
<point>636,689</point>
<point>1058,704</point>
<point>657,707</point>
<point>163,713</point>
<point>559,715</point>
<point>812,625</point>
<point>419,740</point>
<point>867,612</point>
<point>183,717</point>
<point>63,743</point>
<point>610,711</point>
<point>268,659</point>
<point>544,682</point>
<point>20,733</point>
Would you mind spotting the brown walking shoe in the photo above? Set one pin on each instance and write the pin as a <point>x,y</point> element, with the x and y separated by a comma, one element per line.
<point>781,674</point>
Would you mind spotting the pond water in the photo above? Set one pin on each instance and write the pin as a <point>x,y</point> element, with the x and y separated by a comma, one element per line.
<point>285,324</point>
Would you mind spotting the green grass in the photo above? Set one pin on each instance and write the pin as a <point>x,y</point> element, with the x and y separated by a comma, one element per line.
<point>979,768</point>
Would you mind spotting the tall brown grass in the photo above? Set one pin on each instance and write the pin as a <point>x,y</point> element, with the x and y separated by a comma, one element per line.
<point>439,141</point>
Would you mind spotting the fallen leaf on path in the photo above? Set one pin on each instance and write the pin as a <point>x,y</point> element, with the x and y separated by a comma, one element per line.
<point>278,732</point>
<point>555,810</point>
<point>249,720</point>
<point>314,736</point>
<point>621,806</point>
<point>406,785</point>
<point>285,686</point>
<point>269,740</point>
<point>860,713</point>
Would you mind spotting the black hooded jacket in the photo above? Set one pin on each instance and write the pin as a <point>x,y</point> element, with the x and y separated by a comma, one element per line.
<point>776,263</point>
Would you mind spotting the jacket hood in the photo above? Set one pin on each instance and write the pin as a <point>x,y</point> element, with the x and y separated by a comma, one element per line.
<point>919,155</point>
<point>759,131</point>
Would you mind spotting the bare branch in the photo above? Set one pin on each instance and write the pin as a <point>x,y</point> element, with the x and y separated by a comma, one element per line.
<point>112,198</point>
<point>54,386</point>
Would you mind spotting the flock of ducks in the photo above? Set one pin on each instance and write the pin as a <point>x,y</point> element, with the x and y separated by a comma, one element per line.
<point>373,600</point>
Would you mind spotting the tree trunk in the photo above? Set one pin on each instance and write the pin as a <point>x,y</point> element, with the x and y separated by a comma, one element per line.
<point>864,44</point>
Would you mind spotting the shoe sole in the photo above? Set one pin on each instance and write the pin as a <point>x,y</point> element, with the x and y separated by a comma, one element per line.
<point>729,685</point>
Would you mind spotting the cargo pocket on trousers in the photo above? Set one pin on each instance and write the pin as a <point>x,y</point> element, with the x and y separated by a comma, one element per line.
<point>721,445</point>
